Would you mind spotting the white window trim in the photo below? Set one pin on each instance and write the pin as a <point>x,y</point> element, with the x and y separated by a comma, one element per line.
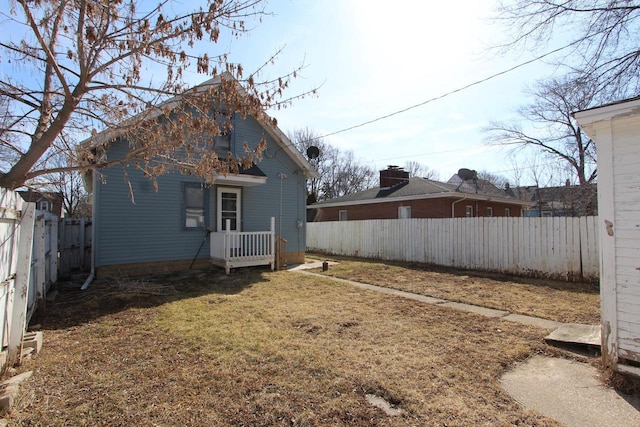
<point>507,212</point>
<point>238,192</point>
<point>345,214</point>
<point>489,211</point>
<point>468,211</point>
<point>406,209</point>
<point>183,206</point>
<point>46,204</point>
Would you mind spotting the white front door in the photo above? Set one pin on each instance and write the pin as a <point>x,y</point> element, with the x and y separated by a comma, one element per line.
<point>228,207</point>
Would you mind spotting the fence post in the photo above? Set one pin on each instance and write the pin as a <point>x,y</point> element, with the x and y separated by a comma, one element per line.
<point>82,243</point>
<point>40,267</point>
<point>53,249</point>
<point>21,293</point>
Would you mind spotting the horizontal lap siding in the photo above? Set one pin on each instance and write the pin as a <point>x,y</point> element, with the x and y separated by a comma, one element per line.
<point>150,229</point>
<point>262,202</point>
<point>147,229</point>
<point>627,237</point>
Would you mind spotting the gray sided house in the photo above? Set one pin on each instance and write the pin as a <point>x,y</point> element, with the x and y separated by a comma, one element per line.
<point>232,223</point>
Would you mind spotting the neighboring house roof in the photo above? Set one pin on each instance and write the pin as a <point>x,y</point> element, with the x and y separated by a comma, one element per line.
<point>422,188</point>
<point>267,123</point>
<point>579,199</point>
<point>33,196</point>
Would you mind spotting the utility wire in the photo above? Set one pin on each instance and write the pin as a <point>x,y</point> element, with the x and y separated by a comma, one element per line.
<point>444,95</point>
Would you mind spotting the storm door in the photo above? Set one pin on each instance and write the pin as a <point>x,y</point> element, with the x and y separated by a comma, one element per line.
<point>228,207</point>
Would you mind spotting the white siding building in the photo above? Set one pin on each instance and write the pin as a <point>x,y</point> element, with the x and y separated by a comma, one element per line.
<point>616,130</point>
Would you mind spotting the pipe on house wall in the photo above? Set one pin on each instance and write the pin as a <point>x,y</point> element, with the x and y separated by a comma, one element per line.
<point>92,274</point>
<point>453,205</point>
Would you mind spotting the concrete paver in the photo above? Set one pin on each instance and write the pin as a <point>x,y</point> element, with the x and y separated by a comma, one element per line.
<point>570,392</point>
<point>576,334</point>
<point>533,321</point>
<point>484,311</point>
<point>381,289</point>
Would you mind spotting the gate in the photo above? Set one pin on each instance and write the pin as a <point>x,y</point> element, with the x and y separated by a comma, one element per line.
<point>75,246</point>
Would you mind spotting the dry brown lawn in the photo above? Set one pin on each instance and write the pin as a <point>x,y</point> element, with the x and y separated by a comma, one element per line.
<point>548,299</point>
<point>259,349</point>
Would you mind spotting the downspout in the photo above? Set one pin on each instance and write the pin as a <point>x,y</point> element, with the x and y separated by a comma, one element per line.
<point>92,273</point>
<point>453,205</point>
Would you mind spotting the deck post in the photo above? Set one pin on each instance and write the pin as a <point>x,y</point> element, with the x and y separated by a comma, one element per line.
<point>227,246</point>
<point>273,242</point>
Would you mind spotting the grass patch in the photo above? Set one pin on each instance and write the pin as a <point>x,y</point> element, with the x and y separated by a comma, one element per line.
<point>548,299</point>
<point>262,348</point>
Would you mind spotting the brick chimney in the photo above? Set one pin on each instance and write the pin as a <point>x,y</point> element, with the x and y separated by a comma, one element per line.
<point>393,175</point>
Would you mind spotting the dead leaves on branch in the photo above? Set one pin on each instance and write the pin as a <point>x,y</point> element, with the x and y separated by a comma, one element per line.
<point>102,51</point>
<point>180,136</point>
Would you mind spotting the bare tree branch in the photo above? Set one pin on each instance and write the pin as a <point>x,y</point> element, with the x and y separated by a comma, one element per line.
<point>604,35</point>
<point>557,133</point>
<point>89,58</point>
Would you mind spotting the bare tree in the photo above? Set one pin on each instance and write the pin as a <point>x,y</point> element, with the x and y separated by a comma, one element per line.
<point>347,175</point>
<point>417,169</point>
<point>71,185</point>
<point>494,178</point>
<point>305,138</point>
<point>94,64</point>
<point>554,130</point>
<point>7,154</point>
<point>339,173</point>
<point>604,36</point>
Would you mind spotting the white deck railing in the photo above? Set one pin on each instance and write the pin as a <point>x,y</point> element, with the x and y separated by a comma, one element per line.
<point>232,249</point>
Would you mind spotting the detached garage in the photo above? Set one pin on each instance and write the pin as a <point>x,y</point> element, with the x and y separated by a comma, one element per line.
<point>616,130</point>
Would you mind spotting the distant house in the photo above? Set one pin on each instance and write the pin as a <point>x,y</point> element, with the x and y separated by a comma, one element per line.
<point>45,200</point>
<point>231,223</point>
<point>402,196</point>
<point>567,200</point>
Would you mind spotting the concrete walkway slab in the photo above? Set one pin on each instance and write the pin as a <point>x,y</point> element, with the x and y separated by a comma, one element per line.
<point>381,289</point>
<point>575,333</point>
<point>570,392</point>
<point>309,265</point>
<point>533,321</point>
<point>487,312</point>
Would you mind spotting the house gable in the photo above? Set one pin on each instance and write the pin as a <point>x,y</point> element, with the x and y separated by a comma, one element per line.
<point>135,225</point>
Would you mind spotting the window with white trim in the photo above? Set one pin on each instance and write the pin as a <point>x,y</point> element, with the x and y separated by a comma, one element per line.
<point>489,211</point>
<point>229,208</point>
<point>44,205</point>
<point>194,206</point>
<point>404,212</point>
<point>507,212</point>
<point>342,215</point>
<point>469,211</point>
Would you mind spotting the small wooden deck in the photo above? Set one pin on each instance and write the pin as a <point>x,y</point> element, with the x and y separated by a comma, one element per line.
<point>233,249</point>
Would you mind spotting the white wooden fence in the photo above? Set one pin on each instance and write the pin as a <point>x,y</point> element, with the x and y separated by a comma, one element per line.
<point>557,247</point>
<point>28,266</point>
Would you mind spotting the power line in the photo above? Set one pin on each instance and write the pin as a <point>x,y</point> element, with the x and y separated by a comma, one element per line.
<point>460,89</point>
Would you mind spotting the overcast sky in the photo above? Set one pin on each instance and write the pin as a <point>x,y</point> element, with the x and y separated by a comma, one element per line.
<point>372,59</point>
